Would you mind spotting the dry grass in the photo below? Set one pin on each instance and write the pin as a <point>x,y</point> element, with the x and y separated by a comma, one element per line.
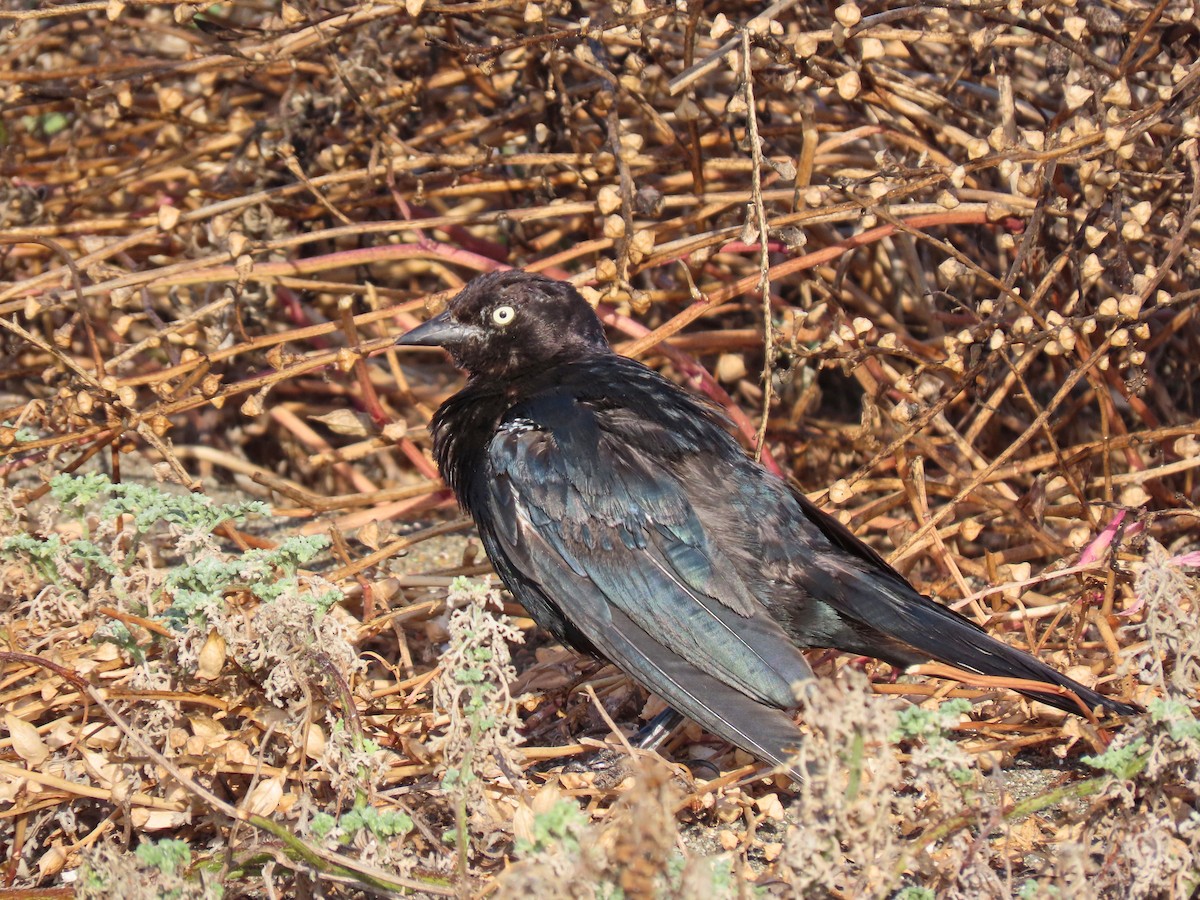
<point>938,262</point>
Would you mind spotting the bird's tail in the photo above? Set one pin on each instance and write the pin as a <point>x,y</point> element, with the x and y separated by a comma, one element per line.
<point>921,630</point>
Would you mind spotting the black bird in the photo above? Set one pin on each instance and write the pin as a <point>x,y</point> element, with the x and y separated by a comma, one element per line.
<point>625,517</point>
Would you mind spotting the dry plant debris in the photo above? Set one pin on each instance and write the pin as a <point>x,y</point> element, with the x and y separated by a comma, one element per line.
<point>937,260</point>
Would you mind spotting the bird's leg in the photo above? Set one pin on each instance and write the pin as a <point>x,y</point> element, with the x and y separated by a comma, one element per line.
<point>611,765</point>
<point>651,735</point>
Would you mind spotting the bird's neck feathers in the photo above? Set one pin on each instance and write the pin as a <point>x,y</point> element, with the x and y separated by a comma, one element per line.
<point>518,373</point>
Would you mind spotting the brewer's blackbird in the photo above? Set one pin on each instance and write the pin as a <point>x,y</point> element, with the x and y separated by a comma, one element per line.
<point>624,516</point>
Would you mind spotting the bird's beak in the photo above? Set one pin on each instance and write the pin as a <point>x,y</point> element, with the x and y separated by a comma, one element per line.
<point>440,331</point>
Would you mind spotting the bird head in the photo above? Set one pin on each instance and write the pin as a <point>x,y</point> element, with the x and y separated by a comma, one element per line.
<point>510,323</point>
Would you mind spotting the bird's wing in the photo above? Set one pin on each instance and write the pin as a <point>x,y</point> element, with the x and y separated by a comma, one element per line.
<point>610,535</point>
<point>760,729</point>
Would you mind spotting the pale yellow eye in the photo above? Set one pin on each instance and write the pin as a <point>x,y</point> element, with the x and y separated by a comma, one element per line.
<point>503,315</point>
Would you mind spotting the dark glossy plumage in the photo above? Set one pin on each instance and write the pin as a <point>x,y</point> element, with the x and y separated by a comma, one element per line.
<point>623,515</point>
